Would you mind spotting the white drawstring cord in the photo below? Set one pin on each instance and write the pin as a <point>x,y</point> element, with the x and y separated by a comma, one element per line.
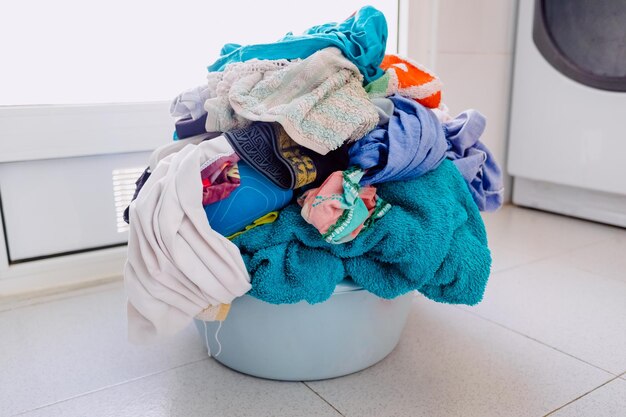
<point>219,345</point>
<point>206,339</point>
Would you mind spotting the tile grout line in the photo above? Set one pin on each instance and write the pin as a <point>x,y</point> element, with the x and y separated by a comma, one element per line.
<point>580,396</point>
<point>107,387</point>
<point>535,340</point>
<point>323,399</point>
<point>600,241</point>
<point>598,275</point>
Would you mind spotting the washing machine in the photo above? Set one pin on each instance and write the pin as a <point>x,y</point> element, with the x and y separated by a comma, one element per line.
<point>567,144</point>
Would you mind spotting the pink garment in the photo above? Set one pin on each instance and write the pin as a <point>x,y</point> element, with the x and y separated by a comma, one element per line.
<point>220,178</point>
<point>340,208</point>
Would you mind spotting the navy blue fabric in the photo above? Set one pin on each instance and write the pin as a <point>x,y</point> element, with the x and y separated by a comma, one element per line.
<point>188,127</point>
<point>138,185</point>
<point>259,146</point>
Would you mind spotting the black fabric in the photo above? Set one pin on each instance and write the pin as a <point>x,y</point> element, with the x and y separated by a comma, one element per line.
<point>138,185</point>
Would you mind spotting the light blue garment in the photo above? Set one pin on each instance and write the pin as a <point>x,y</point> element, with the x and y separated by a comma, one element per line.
<point>361,38</point>
<point>411,145</point>
<point>255,197</point>
<point>473,159</point>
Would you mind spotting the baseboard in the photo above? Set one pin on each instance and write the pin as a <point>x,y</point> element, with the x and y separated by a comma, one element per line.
<point>573,201</point>
<point>63,273</point>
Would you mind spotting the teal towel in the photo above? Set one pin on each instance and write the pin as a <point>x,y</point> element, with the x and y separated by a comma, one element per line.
<point>362,38</point>
<point>432,240</point>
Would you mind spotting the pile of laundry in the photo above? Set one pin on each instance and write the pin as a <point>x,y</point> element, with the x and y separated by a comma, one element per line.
<point>302,163</point>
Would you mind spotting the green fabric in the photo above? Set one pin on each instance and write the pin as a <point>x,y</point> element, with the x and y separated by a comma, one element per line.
<point>379,87</point>
<point>356,213</point>
<point>432,240</point>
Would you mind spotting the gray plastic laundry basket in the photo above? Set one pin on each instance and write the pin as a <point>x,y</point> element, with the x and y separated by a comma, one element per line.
<point>351,331</point>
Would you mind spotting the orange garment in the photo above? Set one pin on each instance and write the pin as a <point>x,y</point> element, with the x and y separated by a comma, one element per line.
<point>413,80</point>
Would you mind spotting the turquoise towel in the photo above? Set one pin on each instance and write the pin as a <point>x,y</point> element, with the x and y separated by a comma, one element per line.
<point>362,38</point>
<point>432,240</point>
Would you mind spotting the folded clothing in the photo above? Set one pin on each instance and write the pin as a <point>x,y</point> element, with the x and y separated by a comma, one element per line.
<point>410,145</point>
<point>431,240</point>
<point>177,265</point>
<point>409,79</point>
<point>267,148</point>
<point>474,160</point>
<point>340,208</point>
<point>319,101</point>
<point>361,38</point>
<point>255,197</point>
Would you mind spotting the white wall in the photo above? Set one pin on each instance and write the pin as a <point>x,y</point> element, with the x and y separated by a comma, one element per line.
<point>469,45</point>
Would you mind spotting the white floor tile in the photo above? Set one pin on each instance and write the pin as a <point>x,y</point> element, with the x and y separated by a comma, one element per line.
<point>59,349</point>
<point>451,363</point>
<point>607,258</point>
<point>204,388</point>
<point>560,283</point>
<point>518,236</point>
<point>574,311</point>
<point>607,401</point>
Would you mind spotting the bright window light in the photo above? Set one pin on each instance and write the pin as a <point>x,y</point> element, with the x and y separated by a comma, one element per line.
<point>118,51</point>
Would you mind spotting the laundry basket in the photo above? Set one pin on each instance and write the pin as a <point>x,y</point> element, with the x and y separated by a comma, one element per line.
<point>351,331</point>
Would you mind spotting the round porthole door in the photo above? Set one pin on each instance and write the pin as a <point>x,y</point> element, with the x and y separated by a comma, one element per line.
<point>584,40</point>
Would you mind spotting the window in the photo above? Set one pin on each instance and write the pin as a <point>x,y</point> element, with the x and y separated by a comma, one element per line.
<point>117,51</point>
<point>89,78</point>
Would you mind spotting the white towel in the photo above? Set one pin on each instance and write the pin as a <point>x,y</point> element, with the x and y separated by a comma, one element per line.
<point>177,265</point>
<point>319,101</point>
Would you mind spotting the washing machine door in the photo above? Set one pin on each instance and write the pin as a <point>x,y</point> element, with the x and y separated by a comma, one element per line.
<point>584,39</point>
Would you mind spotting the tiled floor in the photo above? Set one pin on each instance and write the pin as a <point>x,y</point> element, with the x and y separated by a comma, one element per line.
<point>549,339</point>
